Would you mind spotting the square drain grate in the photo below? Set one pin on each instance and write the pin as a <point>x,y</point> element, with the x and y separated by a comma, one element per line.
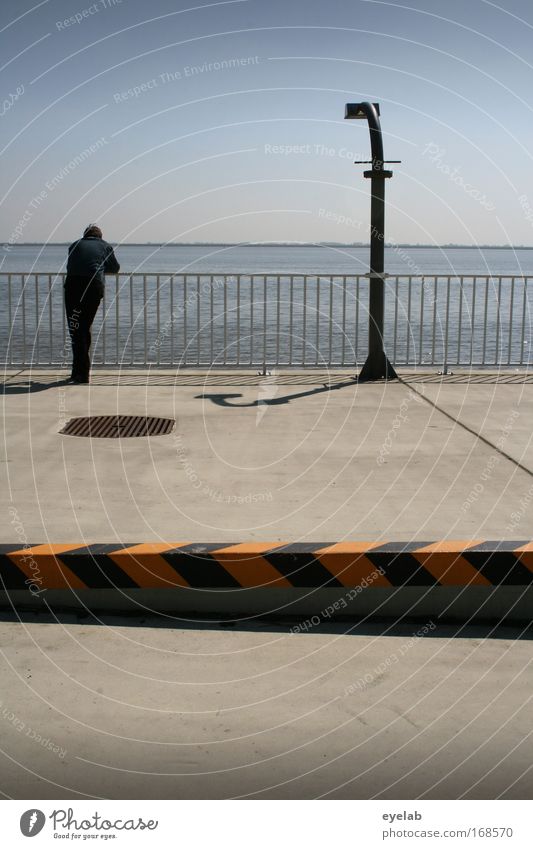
<point>118,427</point>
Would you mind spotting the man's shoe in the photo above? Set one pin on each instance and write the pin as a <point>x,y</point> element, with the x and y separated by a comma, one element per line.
<point>79,379</point>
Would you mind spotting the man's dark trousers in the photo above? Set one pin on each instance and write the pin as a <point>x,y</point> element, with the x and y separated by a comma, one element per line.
<point>82,299</point>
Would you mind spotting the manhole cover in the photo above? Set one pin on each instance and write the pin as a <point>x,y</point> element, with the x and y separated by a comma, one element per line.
<point>115,427</point>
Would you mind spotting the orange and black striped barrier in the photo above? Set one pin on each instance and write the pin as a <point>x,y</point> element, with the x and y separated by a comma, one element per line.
<point>247,565</point>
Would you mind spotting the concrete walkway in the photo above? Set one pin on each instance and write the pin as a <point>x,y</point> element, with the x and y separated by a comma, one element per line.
<point>139,707</point>
<point>309,456</point>
<point>146,709</point>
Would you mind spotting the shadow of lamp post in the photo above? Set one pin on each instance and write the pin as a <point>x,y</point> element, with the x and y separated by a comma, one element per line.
<point>377,366</point>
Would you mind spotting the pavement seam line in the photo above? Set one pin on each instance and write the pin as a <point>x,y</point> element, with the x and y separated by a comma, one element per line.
<point>13,376</point>
<point>467,428</point>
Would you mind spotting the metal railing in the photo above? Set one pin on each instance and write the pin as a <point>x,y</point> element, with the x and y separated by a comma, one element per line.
<point>272,320</point>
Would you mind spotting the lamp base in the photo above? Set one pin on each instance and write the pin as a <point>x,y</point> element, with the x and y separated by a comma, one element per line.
<point>377,367</point>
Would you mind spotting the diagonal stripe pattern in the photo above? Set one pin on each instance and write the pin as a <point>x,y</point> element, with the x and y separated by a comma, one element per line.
<point>238,566</point>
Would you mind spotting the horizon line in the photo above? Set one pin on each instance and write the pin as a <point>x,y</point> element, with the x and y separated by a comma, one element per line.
<point>447,245</point>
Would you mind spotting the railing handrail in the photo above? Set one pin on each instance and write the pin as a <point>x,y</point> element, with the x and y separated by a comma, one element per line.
<point>362,275</point>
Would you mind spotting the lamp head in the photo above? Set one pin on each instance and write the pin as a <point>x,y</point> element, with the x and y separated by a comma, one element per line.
<point>355,110</point>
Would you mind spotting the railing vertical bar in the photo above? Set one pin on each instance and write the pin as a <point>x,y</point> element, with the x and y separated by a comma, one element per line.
<point>304,348</point>
<point>198,319</point>
<point>291,302</point>
<point>511,310</point>
<point>185,343</point>
<point>158,318</point>
<point>523,331</point>
<point>278,319</point>
<point>171,281</point>
<point>50,333</point>
<point>212,318</point>
<point>63,312</point>
<point>23,296</point>
<point>460,320</point>
<point>251,319</point>
<point>435,296</point>
<point>331,285</point>
<point>356,316</point>
<point>447,327</point>
<point>225,319</point>
<point>104,324</point>
<point>498,321</point>
<point>343,348</point>
<point>238,319</point>
<point>317,334</point>
<point>409,300</point>
<point>145,316</point>
<point>485,320</point>
<point>10,313</point>
<point>421,331</point>
<point>264,323</point>
<point>395,329</point>
<point>473,319</point>
<point>37,318</point>
<point>132,322</point>
<point>117,318</point>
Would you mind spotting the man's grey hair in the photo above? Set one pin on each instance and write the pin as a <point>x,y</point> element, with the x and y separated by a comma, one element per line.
<point>92,230</point>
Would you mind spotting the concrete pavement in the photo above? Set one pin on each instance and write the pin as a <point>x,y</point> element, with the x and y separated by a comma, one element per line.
<point>145,708</point>
<point>289,457</point>
<point>142,707</point>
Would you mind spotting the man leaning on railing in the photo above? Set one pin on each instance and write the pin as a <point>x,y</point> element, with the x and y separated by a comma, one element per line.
<point>89,260</point>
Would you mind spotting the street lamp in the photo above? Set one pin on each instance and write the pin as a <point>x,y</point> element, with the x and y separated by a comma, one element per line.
<point>377,366</point>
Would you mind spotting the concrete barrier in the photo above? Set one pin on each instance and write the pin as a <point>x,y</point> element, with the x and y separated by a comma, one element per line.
<point>457,579</point>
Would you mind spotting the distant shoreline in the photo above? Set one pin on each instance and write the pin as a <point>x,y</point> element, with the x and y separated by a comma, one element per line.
<point>447,247</point>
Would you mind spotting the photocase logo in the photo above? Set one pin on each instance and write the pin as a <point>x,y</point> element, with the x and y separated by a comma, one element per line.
<point>32,822</point>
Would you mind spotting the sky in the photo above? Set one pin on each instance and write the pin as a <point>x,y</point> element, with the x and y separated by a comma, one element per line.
<point>197,122</point>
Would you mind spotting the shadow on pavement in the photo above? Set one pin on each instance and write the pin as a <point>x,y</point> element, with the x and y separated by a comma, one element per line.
<point>31,386</point>
<point>356,628</point>
<point>221,399</point>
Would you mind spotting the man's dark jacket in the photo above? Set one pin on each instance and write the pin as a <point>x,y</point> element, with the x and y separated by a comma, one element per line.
<point>91,258</point>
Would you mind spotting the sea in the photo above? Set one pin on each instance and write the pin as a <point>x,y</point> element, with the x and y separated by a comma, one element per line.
<point>306,320</point>
<point>280,259</point>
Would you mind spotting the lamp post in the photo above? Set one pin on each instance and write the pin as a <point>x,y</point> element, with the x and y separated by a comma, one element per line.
<point>376,366</point>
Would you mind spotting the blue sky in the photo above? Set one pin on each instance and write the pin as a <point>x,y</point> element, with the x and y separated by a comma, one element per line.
<point>224,121</point>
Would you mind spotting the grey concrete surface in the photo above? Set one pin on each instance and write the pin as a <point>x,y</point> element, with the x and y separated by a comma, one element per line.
<point>308,457</point>
<point>157,708</point>
<point>147,709</point>
<point>449,604</point>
